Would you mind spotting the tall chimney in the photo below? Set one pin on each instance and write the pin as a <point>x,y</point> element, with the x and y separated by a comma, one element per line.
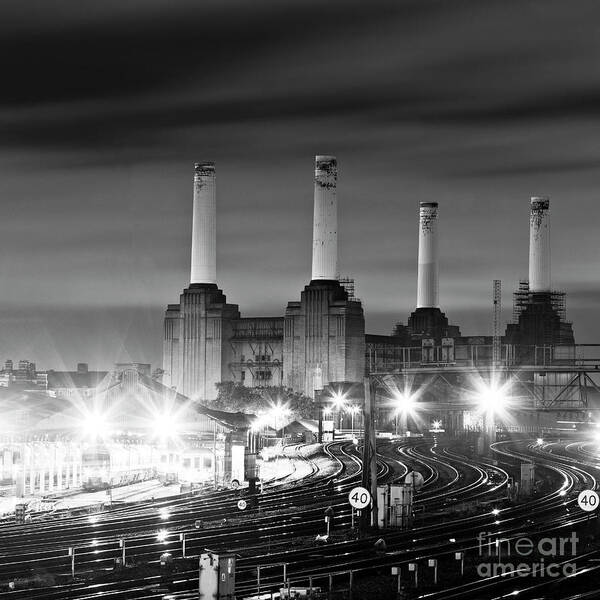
<point>204,225</point>
<point>325,252</point>
<point>427,275</point>
<point>539,245</point>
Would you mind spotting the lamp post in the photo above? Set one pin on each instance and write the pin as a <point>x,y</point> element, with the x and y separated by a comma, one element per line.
<point>493,399</point>
<point>339,402</point>
<point>327,412</point>
<point>404,403</point>
<point>319,402</point>
<point>279,410</point>
<point>353,410</point>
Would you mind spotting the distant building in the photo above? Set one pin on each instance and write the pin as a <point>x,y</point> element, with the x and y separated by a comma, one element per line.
<point>25,375</point>
<point>69,384</point>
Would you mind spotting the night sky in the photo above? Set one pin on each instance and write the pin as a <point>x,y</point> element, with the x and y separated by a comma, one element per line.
<point>105,106</point>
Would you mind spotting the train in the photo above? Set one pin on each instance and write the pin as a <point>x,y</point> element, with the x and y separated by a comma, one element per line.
<point>189,465</point>
<point>108,466</point>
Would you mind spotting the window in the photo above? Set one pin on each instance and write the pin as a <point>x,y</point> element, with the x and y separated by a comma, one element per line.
<point>263,375</point>
<point>197,462</point>
<point>243,376</point>
<point>187,463</point>
<point>207,462</point>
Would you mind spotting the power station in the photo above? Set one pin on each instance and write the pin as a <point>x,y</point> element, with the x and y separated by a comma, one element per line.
<point>320,339</point>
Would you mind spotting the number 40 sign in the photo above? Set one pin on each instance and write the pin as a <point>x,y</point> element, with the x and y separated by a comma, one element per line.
<point>359,497</point>
<point>588,500</point>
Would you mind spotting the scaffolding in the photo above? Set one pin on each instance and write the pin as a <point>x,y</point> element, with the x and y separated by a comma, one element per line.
<point>348,284</point>
<point>522,298</point>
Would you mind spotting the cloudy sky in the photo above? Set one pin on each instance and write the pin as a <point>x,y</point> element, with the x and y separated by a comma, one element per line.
<point>105,107</point>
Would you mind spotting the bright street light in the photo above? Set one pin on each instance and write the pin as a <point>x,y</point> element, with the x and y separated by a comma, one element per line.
<point>404,403</point>
<point>338,399</point>
<point>493,398</point>
<point>165,425</point>
<point>95,425</point>
<point>405,406</point>
<point>353,410</point>
<point>276,412</point>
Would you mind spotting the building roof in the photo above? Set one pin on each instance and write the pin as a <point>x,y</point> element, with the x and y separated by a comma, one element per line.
<point>75,379</point>
<point>237,420</point>
<point>299,427</point>
<point>129,402</point>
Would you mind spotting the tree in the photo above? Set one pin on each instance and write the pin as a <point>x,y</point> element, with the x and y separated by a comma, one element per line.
<point>235,397</point>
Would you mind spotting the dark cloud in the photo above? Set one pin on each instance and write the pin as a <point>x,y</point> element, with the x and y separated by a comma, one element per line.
<point>135,75</point>
<point>105,106</point>
<point>172,46</point>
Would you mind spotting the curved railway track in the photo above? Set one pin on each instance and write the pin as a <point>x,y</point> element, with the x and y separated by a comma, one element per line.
<point>296,509</point>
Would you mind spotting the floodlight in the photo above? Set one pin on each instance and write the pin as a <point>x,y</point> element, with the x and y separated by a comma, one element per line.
<point>338,399</point>
<point>165,425</point>
<point>404,403</point>
<point>94,425</point>
<point>493,398</point>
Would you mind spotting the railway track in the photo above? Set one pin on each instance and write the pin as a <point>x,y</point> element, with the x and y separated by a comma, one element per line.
<point>450,478</point>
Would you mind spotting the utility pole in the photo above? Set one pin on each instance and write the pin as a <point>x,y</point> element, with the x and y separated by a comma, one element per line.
<point>369,474</point>
<point>214,454</point>
<point>319,403</point>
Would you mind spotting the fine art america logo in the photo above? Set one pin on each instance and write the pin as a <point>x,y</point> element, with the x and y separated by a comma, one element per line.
<point>522,556</point>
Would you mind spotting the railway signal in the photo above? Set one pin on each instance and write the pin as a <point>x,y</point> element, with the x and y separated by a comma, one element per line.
<point>20,513</point>
<point>329,514</point>
<point>122,546</point>
<point>72,555</point>
<point>414,567</point>
<point>396,571</point>
<point>434,565</point>
<point>460,556</point>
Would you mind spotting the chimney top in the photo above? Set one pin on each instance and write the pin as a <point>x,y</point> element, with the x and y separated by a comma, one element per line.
<point>204,168</point>
<point>540,202</point>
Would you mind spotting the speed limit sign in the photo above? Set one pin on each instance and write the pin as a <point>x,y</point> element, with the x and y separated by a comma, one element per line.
<point>359,497</point>
<point>588,500</point>
<point>242,504</point>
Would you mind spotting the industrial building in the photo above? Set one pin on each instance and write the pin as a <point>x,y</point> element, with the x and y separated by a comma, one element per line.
<point>320,340</point>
